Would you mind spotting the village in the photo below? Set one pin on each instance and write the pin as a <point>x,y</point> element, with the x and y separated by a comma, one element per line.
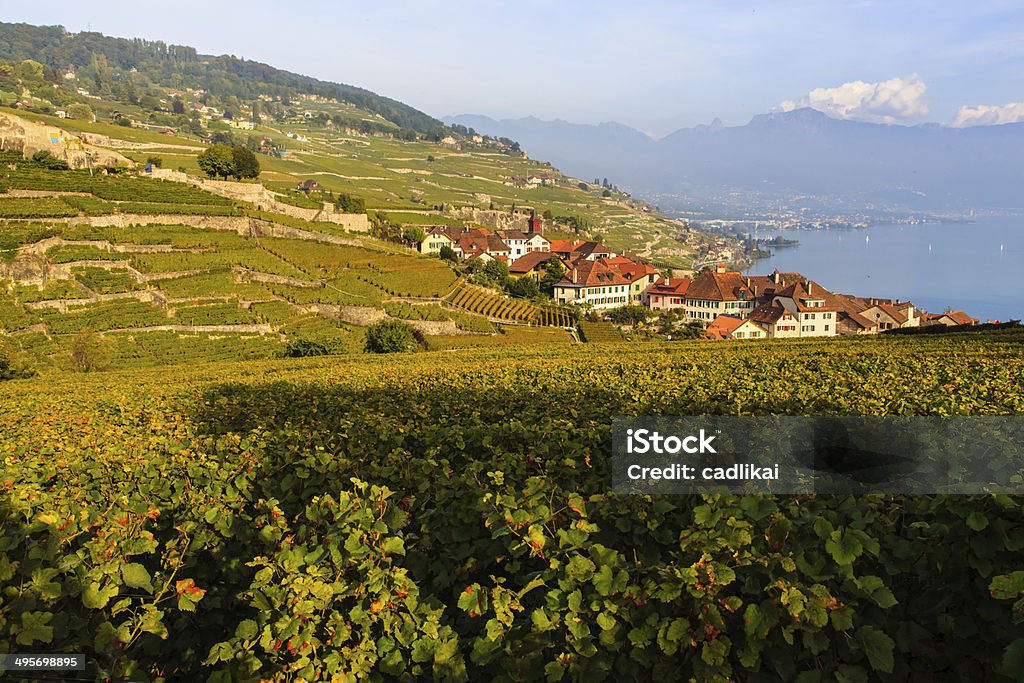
<point>727,304</point>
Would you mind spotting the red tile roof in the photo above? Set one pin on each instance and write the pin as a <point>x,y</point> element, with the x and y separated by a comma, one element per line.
<point>961,318</point>
<point>530,261</point>
<point>710,286</point>
<point>726,324</point>
<point>798,292</point>
<point>723,326</point>
<point>632,271</point>
<point>594,274</point>
<point>512,234</point>
<point>564,246</point>
<point>769,312</point>
<point>675,285</point>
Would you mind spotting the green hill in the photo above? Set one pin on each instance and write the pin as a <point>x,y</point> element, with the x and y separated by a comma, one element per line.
<point>126,68</point>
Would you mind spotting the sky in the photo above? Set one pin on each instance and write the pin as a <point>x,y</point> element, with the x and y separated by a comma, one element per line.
<point>655,65</point>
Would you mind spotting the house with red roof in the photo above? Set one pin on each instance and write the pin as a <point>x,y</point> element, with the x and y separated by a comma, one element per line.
<point>593,283</point>
<point>814,307</point>
<point>949,319</point>
<point>521,243</point>
<point>531,265</point>
<point>641,276</point>
<point>718,292</point>
<point>776,320</point>
<point>729,327</point>
<point>576,250</point>
<point>891,315</point>
<point>667,294</point>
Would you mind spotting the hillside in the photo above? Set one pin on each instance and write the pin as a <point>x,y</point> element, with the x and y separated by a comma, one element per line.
<point>127,68</point>
<point>168,273</point>
<point>348,140</point>
<point>448,517</point>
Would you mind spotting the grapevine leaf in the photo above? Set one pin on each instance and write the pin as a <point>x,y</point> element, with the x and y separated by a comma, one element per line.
<point>878,647</point>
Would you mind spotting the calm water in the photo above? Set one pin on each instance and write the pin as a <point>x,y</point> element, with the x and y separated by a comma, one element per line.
<point>974,267</point>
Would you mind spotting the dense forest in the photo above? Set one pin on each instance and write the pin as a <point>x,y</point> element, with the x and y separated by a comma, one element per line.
<point>117,68</point>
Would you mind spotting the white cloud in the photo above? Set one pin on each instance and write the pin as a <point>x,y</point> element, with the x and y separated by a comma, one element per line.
<point>893,101</point>
<point>987,115</point>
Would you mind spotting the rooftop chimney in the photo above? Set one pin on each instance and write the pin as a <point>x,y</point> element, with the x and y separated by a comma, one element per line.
<point>810,288</point>
<point>775,276</point>
<point>720,268</point>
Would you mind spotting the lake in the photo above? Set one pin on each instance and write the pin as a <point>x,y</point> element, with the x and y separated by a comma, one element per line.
<point>974,267</point>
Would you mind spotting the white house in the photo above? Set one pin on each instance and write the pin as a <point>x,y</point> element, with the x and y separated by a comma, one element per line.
<point>812,306</point>
<point>593,283</point>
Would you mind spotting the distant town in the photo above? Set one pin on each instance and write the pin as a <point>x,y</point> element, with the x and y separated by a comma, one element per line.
<point>727,304</point>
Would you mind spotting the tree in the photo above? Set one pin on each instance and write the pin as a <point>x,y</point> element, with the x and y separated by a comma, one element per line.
<point>89,352</point>
<point>217,161</point>
<point>413,234</point>
<point>393,336</point>
<point>29,70</point>
<point>606,193</point>
<point>178,107</point>
<point>155,162</point>
<point>583,186</point>
<point>522,287</point>
<point>348,204</point>
<point>554,271</point>
<point>496,271</point>
<point>547,215</point>
<point>246,165</point>
<point>80,112</point>
<point>629,315</point>
<point>448,254</point>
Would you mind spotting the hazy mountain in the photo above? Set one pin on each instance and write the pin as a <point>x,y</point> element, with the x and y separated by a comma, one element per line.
<point>797,152</point>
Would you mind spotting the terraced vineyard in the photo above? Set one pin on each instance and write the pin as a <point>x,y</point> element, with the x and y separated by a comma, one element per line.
<point>490,304</point>
<point>449,516</point>
<point>27,175</point>
<point>205,287</point>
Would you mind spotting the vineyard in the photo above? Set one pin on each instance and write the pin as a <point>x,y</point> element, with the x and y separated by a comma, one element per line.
<point>110,278</point>
<point>449,517</point>
<point>599,332</point>
<point>435,312</point>
<point>496,306</point>
<point>27,175</point>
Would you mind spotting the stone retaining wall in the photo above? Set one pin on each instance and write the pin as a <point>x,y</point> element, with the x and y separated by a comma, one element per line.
<point>264,200</point>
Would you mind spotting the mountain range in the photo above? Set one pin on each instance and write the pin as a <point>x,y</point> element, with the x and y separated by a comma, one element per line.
<point>801,152</point>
